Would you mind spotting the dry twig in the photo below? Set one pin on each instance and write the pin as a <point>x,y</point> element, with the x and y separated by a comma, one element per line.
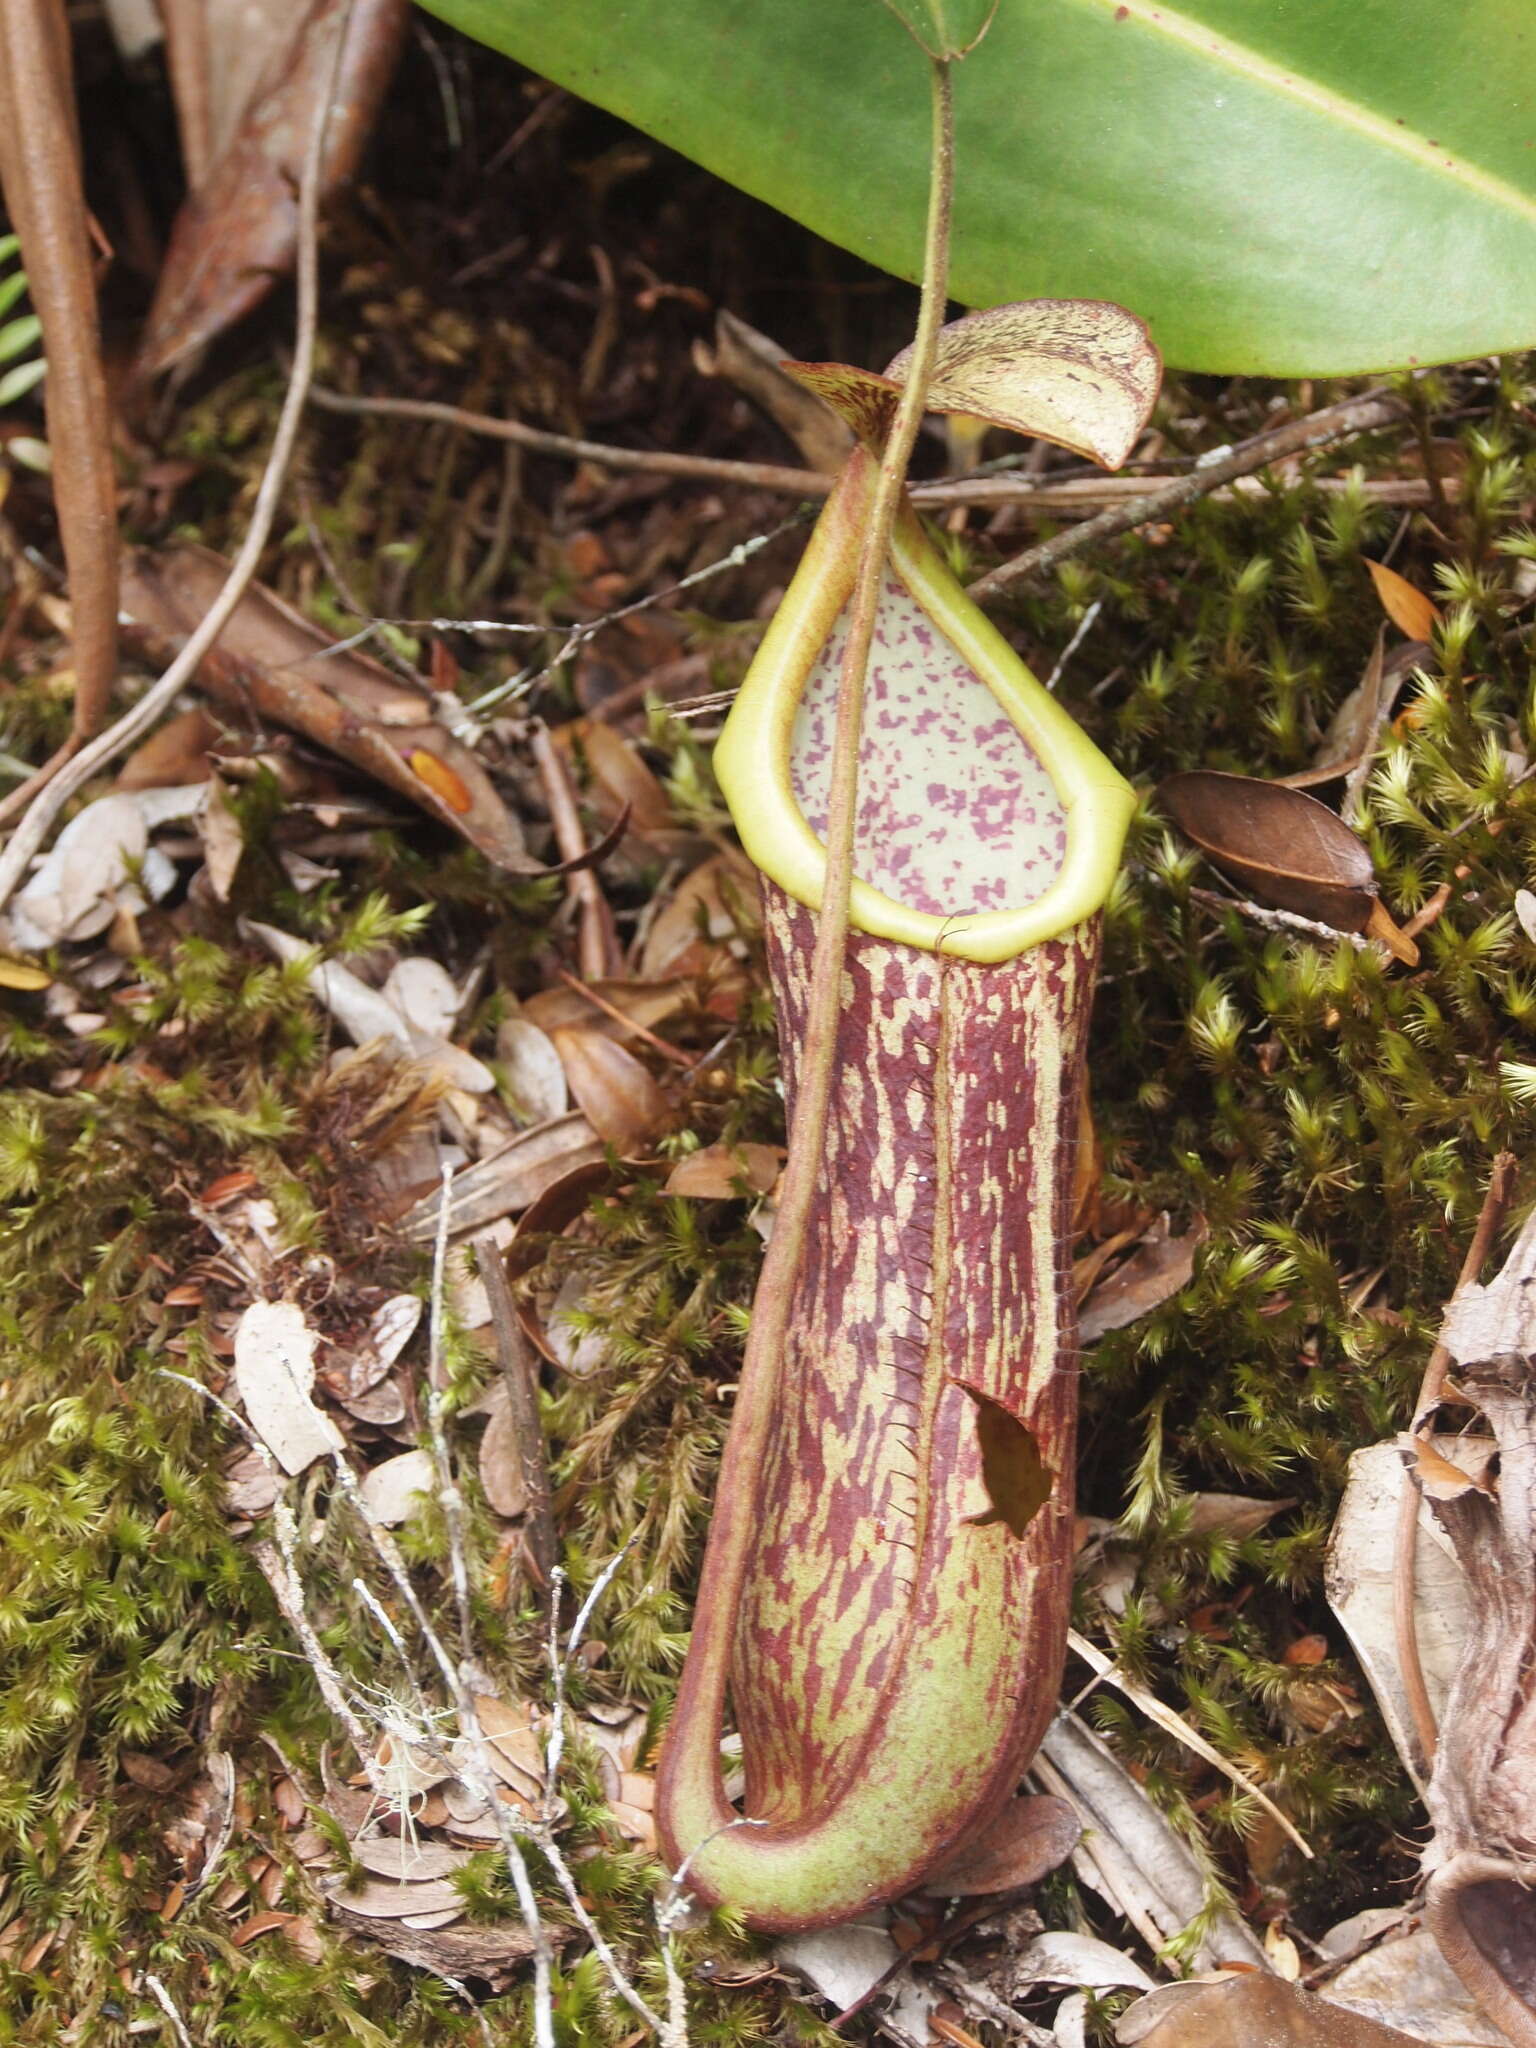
<point>519,1370</point>
<point>596,944</point>
<point>40,170</point>
<point>29,835</point>
<point>1317,430</point>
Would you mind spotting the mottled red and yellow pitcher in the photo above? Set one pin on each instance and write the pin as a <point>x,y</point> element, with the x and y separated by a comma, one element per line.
<point>886,1591</point>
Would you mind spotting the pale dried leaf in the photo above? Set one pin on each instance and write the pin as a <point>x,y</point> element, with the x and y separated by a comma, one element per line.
<point>1360,1580</point>
<point>1525,911</point>
<point>508,1180</point>
<point>391,1327</point>
<point>1283,1954</point>
<point>1406,1982</point>
<point>841,1962</point>
<point>423,992</point>
<point>223,841</point>
<point>80,886</point>
<point>532,1074</point>
<point>365,1014</point>
<point>379,1899</point>
<point>576,1352</point>
<point>407,1862</point>
<point>1058,1957</point>
<point>393,1491</point>
<point>274,1373</point>
<point>1080,372</point>
<point>1499,1320</point>
<point>1129,1851</point>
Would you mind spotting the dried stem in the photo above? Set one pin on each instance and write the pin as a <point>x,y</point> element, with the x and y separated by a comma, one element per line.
<point>595,947</point>
<point>519,1370</point>
<point>1333,423</point>
<point>1405,1567</point>
<point>763,476</point>
<point>40,169</point>
<point>33,829</point>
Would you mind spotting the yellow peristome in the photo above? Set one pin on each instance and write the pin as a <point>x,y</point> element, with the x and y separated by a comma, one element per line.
<point>753,761</point>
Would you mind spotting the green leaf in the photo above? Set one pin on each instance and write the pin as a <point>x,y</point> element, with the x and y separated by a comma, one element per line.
<point>17,383</point>
<point>16,336</point>
<point>1310,189</point>
<point>11,289</point>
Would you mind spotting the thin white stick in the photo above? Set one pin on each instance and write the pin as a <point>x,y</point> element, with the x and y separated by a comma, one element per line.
<point>449,1497</point>
<point>167,2005</point>
<point>1173,1724</point>
<point>30,833</point>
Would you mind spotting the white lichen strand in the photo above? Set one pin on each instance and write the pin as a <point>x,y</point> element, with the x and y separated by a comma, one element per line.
<point>957,814</point>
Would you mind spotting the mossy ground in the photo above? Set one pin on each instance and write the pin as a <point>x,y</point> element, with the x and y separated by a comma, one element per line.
<point>1329,1114</point>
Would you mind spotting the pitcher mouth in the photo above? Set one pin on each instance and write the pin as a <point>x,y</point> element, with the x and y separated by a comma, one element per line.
<point>988,820</point>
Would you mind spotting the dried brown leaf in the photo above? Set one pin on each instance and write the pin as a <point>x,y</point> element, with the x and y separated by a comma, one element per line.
<point>1153,1273</point>
<point>1259,2012</point>
<point>619,773</point>
<point>1025,1842</point>
<point>644,1003</point>
<point>1017,1479</point>
<point>1283,846</point>
<point>726,1172</point>
<point>755,365</point>
<point>1232,1514</point>
<point>509,1180</point>
<point>176,753</point>
<point>271,658</point>
<point>501,1456</point>
<point>714,903</point>
<point>1438,1478</point>
<point>1404,604</point>
<point>236,235</point>
<point>619,1097</point>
